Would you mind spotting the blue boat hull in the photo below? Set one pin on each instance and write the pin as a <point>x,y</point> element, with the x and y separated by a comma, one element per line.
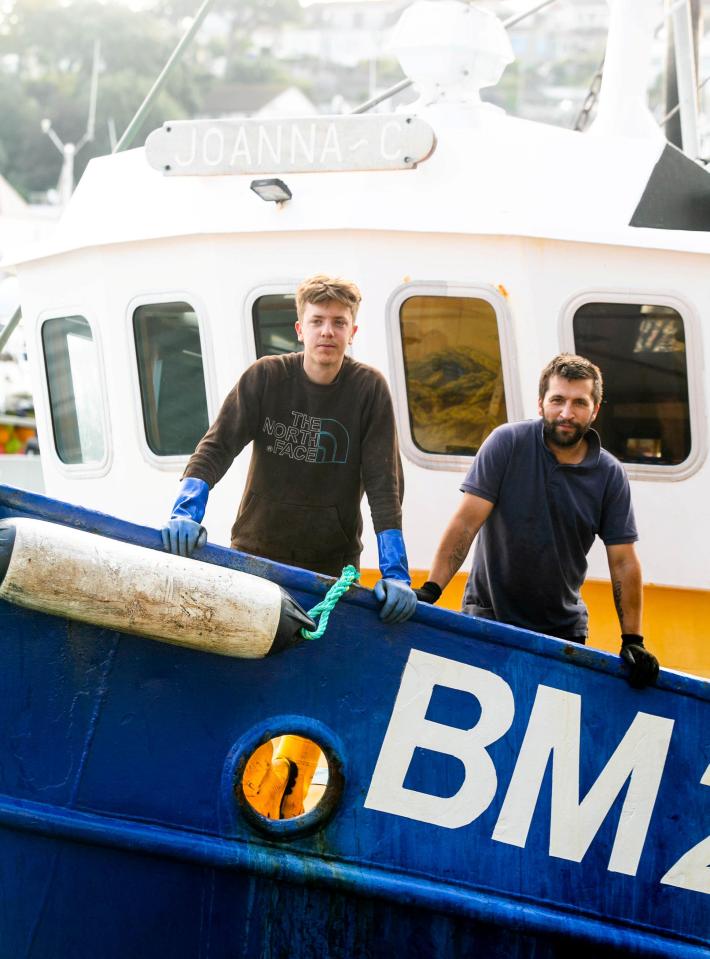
<point>122,834</point>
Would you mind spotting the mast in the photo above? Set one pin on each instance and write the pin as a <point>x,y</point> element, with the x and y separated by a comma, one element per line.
<point>623,98</point>
<point>682,57</point>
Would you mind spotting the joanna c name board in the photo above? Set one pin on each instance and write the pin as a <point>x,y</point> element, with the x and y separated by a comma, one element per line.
<point>310,144</point>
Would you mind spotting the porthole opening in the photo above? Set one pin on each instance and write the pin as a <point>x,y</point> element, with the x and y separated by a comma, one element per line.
<point>286,777</point>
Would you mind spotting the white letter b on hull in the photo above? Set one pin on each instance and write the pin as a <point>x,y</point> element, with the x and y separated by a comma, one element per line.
<point>408,729</point>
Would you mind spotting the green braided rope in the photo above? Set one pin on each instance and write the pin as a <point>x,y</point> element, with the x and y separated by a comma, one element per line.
<point>326,606</point>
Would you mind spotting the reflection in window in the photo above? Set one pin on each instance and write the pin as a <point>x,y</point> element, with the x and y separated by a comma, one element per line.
<point>171,375</point>
<point>453,370</point>
<point>72,366</point>
<point>640,349</point>
<point>274,316</point>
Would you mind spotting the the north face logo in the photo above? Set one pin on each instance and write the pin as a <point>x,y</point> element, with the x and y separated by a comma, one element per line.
<point>308,439</point>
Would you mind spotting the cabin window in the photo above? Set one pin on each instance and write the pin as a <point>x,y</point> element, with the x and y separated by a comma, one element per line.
<point>74,387</point>
<point>274,316</point>
<point>171,375</point>
<point>453,372</point>
<point>641,351</point>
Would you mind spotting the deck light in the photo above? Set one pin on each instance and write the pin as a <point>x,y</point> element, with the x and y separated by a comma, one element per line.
<point>274,191</point>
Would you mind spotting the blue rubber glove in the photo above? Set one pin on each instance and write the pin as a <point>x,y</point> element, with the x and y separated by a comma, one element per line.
<point>398,600</point>
<point>393,555</point>
<point>393,591</point>
<point>184,531</point>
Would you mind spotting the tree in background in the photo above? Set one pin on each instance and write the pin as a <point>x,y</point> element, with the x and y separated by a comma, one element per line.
<point>46,58</point>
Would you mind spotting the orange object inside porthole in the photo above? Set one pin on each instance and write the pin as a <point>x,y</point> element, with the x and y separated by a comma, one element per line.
<point>285,777</point>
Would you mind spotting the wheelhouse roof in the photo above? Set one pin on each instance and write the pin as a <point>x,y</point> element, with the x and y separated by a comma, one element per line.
<point>490,174</point>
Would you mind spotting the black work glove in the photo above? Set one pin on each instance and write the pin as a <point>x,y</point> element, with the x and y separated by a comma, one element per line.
<point>643,665</point>
<point>428,593</point>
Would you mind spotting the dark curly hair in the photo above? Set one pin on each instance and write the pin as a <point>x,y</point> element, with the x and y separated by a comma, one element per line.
<point>571,367</point>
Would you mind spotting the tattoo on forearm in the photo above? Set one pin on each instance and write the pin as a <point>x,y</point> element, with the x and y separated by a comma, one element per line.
<point>458,555</point>
<point>616,588</point>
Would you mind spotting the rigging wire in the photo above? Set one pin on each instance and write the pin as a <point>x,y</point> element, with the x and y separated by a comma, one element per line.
<point>133,128</point>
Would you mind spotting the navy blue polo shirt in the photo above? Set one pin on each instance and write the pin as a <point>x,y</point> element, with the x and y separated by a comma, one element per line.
<point>530,555</point>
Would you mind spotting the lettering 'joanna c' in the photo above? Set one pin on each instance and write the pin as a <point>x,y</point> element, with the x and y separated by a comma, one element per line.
<point>261,146</point>
<point>295,145</point>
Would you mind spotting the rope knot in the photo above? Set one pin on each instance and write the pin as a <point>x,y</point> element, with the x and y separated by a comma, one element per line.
<point>322,610</point>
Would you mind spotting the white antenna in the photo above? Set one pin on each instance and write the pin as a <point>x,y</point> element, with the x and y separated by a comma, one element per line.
<point>70,150</point>
<point>686,78</point>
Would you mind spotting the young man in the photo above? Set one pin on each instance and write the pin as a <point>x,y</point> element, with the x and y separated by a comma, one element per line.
<point>323,431</point>
<point>537,494</point>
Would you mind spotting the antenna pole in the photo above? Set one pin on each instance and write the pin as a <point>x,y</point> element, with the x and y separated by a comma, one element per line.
<point>93,96</point>
<point>136,123</point>
<point>70,150</point>
<point>7,332</point>
<point>682,84</point>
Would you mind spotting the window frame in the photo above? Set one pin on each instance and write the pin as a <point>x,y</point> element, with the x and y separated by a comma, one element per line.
<point>171,462</point>
<point>509,364</point>
<point>96,468</point>
<point>276,288</point>
<point>694,367</point>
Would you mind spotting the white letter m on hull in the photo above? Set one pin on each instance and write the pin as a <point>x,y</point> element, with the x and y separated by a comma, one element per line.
<point>555,727</point>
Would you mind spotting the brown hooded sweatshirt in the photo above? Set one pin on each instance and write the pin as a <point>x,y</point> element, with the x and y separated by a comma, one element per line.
<point>316,450</point>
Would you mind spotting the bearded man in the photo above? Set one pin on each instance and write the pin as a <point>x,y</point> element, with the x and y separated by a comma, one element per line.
<point>536,496</point>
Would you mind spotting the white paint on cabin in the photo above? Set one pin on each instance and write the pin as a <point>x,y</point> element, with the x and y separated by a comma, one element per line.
<point>490,174</point>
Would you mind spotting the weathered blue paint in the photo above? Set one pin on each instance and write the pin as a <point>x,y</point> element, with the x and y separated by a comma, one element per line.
<point>121,835</point>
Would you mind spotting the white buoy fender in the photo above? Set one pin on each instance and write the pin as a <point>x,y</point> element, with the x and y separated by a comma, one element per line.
<point>67,572</point>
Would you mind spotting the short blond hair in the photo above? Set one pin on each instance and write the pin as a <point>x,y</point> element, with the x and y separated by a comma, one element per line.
<point>321,288</point>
